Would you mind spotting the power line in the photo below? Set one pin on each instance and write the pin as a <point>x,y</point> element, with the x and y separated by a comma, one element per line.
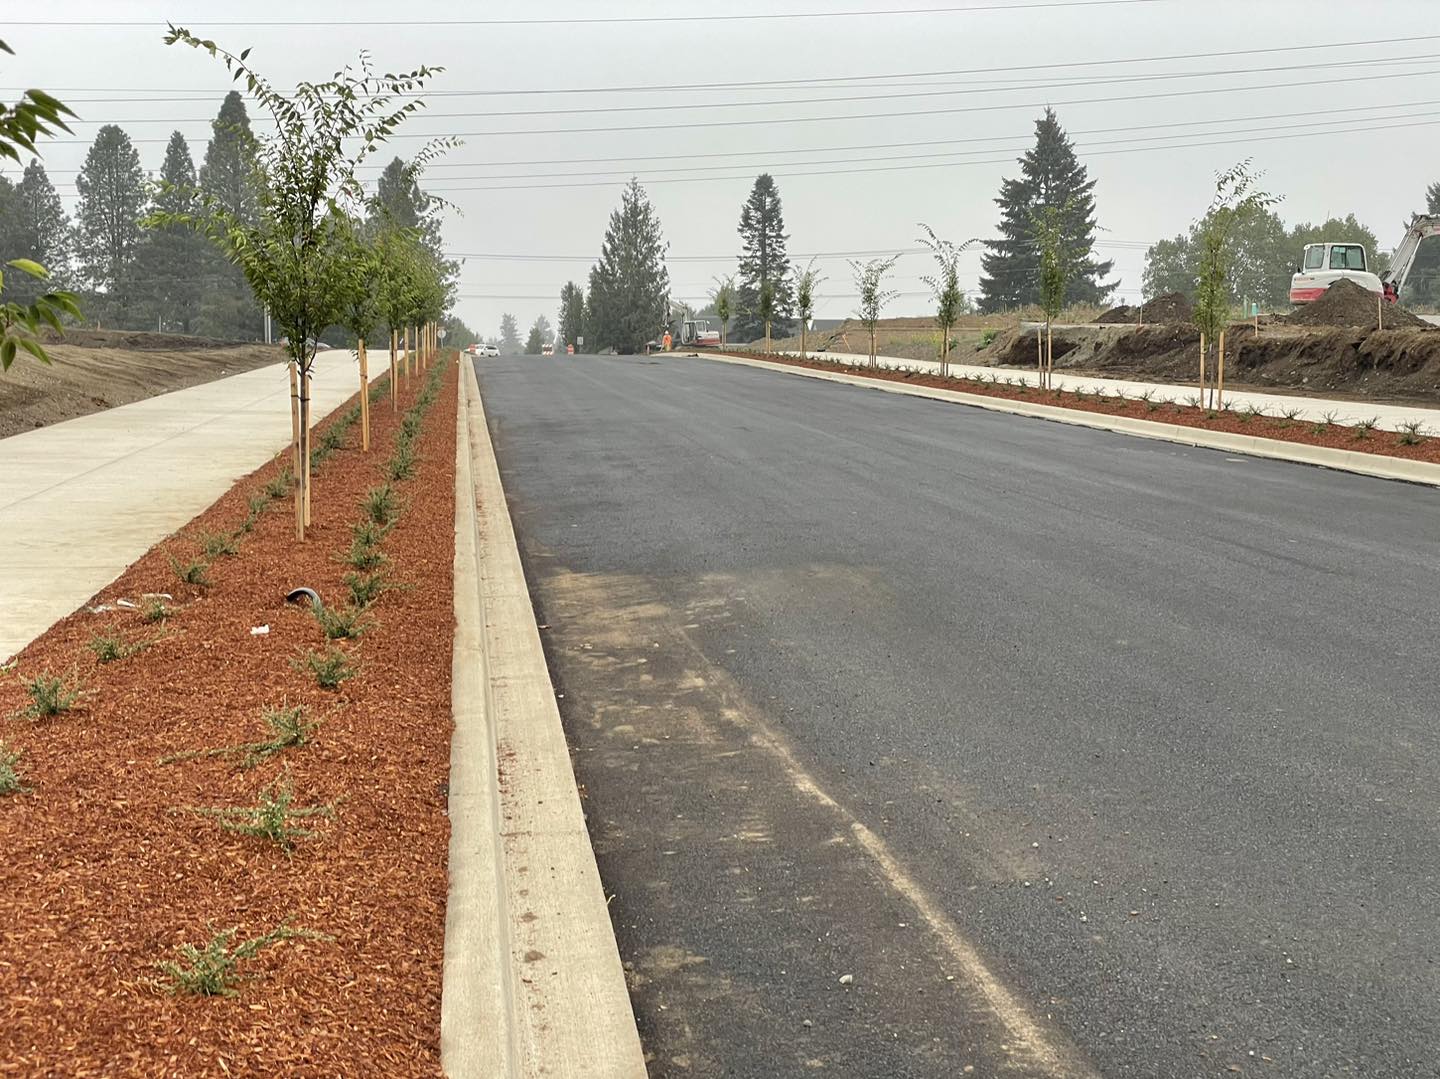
<point>1029,5</point>
<point>944,92</point>
<point>825,79</point>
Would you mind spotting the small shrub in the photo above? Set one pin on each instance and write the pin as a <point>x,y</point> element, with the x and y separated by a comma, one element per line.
<point>11,781</point>
<point>380,505</point>
<point>330,667</point>
<point>1193,401</point>
<point>986,336</point>
<point>363,556</point>
<point>110,647</point>
<point>1364,427</point>
<point>215,545</point>
<point>341,623</point>
<point>365,588</point>
<point>254,507</point>
<point>212,971</point>
<point>1250,412</point>
<point>279,485</point>
<point>1411,433</point>
<point>401,465</point>
<point>154,610</point>
<point>271,817</point>
<point>191,572</point>
<point>49,697</point>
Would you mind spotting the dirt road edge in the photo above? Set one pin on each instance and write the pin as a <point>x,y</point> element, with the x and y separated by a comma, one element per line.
<point>533,982</point>
<point>1364,464</point>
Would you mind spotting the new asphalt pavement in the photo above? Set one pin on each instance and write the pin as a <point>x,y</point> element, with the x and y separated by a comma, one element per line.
<point>916,738</point>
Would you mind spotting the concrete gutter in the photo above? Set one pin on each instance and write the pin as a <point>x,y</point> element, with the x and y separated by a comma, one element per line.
<point>533,983</point>
<point>1365,464</point>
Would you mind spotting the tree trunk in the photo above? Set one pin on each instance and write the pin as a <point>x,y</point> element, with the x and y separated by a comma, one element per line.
<point>802,337</point>
<point>394,373</point>
<point>1039,359</point>
<point>1220,374</point>
<point>1202,368</point>
<point>295,450</point>
<point>305,438</point>
<point>1049,355</point>
<point>872,348</point>
<point>767,337</point>
<point>405,357</point>
<point>364,398</point>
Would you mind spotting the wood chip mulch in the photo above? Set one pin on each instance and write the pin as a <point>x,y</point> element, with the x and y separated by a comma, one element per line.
<point>1237,421</point>
<point>105,870</point>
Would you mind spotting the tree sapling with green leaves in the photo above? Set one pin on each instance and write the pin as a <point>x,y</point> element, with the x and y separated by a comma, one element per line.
<point>806,282</point>
<point>945,285</point>
<point>873,296</point>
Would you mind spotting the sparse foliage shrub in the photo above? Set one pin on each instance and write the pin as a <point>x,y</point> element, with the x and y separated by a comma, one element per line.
<point>50,695</point>
<point>213,970</point>
<point>330,667</point>
<point>11,779</point>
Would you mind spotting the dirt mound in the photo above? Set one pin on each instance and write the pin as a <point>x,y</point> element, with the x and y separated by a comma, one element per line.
<point>1347,304</point>
<point>1171,307</point>
<point>139,340</point>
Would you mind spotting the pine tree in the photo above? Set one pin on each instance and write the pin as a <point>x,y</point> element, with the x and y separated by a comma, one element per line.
<point>1050,176</point>
<point>539,336</point>
<point>572,314</point>
<point>509,334</point>
<point>629,286</point>
<point>173,259</point>
<point>33,226</point>
<point>763,260</point>
<point>227,308</point>
<point>112,197</point>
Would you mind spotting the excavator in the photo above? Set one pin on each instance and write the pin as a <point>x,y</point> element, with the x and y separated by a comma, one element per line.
<point>1325,263</point>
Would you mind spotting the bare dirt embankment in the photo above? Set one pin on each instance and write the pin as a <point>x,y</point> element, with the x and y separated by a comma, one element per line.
<point>94,370</point>
<point>1330,347</point>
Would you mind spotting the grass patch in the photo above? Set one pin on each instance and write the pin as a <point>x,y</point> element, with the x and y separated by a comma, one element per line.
<point>329,668</point>
<point>271,818</point>
<point>11,779</point>
<point>213,970</point>
<point>50,696</point>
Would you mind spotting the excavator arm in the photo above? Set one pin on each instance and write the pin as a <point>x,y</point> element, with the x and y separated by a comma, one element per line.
<point>1421,227</point>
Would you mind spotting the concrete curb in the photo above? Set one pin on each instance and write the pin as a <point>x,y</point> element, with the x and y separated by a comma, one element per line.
<point>1364,464</point>
<point>533,983</point>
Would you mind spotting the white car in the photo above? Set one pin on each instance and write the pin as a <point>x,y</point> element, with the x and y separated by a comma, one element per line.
<point>489,350</point>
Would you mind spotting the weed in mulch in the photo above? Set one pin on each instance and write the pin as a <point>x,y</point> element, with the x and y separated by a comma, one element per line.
<point>11,780</point>
<point>215,545</point>
<point>154,610</point>
<point>50,696</point>
<point>342,623</point>
<point>109,647</point>
<point>365,588</point>
<point>195,572</point>
<point>212,971</point>
<point>270,818</point>
<point>380,505</point>
<point>330,667</point>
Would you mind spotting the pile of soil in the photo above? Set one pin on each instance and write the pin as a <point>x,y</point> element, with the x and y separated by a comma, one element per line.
<point>136,340</point>
<point>1172,307</point>
<point>1347,304</point>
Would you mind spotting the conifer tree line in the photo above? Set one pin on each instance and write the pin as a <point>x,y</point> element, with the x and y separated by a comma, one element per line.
<point>169,276</point>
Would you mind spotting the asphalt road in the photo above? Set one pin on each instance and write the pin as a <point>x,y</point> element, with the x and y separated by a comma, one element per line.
<point>1077,753</point>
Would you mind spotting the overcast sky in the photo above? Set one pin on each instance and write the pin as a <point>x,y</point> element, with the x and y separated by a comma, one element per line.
<point>985,73</point>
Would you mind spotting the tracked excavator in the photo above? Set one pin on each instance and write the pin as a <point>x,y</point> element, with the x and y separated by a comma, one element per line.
<point>1325,263</point>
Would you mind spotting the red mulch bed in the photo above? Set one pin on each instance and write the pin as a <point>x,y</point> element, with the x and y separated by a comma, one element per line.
<point>1307,432</point>
<point>104,873</point>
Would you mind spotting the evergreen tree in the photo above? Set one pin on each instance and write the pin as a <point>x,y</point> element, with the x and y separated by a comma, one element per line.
<point>629,286</point>
<point>509,334</point>
<point>572,314</point>
<point>763,261</point>
<point>227,307</point>
<point>174,259</point>
<point>112,196</point>
<point>539,336</point>
<point>1050,176</point>
<point>33,226</point>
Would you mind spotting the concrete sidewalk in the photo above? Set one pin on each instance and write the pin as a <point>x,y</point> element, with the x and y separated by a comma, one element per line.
<point>1311,408</point>
<point>81,500</point>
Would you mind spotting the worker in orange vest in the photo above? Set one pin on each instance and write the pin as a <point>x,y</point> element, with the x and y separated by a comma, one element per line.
<point>666,341</point>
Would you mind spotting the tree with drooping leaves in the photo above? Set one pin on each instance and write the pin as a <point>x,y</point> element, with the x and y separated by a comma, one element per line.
<point>1235,197</point>
<point>945,287</point>
<point>872,295</point>
<point>805,284</point>
<point>305,178</point>
<point>34,116</point>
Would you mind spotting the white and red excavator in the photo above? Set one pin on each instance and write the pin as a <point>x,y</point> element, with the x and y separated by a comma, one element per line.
<point>1325,263</point>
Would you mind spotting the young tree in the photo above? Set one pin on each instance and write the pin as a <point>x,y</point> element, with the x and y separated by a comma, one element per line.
<point>362,306</point>
<point>572,313</point>
<point>1235,196</point>
<point>873,296</point>
<point>1050,175</point>
<point>34,116</point>
<point>1053,277</point>
<point>806,282</point>
<point>629,286</point>
<point>112,197</point>
<point>304,171</point>
<point>172,260</point>
<point>945,286</point>
<point>762,259</point>
<point>509,334</point>
<point>722,298</point>
<point>402,270</point>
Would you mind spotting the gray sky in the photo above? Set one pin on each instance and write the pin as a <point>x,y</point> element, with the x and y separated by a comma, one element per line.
<point>1374,161</point>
